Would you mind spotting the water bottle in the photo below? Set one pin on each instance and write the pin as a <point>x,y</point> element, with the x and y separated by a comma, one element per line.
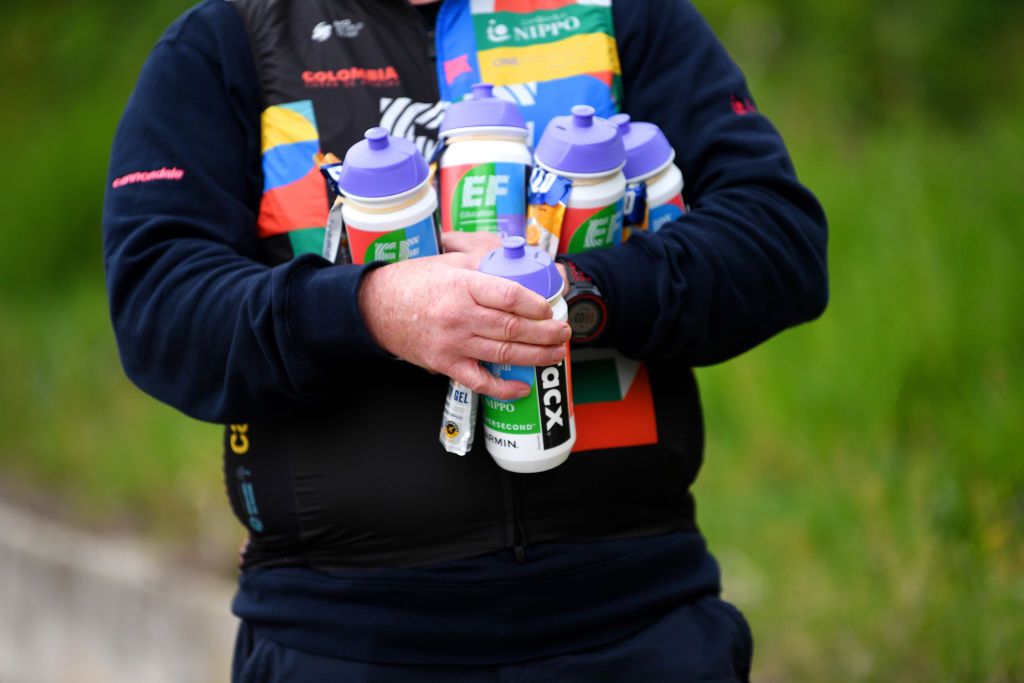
<point>389,201</point>
<point>534,433</point>
<point>484,166</point>
<point>649,158</point>
<point>588,151</point>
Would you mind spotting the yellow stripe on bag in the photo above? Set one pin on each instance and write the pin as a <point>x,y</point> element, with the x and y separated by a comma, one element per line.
<point>590,53</point>
<point>284,126</point>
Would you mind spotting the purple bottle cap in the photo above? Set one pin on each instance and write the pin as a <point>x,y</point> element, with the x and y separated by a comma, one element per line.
<point>531,267</point>
<point>647,148</point>
<point>581,143</point>
<point>483,110</point>
<point>382,165</point>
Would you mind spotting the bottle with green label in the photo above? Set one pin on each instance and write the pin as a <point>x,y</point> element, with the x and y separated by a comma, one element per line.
<point>389,202</point>
<point>588,151</point>
<point>484,166</point>
<point>534,433</point>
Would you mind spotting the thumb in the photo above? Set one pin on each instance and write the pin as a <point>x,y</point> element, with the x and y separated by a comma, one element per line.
<point>473,375</point>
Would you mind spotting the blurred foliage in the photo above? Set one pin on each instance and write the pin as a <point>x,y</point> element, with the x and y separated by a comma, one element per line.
<point>864,488</point>
<point>68,70</point>
<point>863,484</point>
<point>876,62</point>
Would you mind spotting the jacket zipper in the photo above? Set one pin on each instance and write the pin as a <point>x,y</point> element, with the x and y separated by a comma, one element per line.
<point>520,543</point>
<point>431,46</point>
<point>514,521</point>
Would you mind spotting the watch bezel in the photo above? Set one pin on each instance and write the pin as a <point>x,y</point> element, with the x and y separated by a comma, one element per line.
<point>595,300</point>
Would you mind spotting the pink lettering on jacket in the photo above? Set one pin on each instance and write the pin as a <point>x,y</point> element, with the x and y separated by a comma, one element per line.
<point>148,176</point>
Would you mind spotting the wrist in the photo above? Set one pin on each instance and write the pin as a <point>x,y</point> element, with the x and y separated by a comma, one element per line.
<point>588,310</point>
<point>370,303</point>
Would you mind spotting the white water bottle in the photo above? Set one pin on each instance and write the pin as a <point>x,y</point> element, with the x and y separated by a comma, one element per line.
<point>534,433</point>
<point>389,202</point>
<point>588,151</point>
<point>649,157</point>
<point>484,166</point>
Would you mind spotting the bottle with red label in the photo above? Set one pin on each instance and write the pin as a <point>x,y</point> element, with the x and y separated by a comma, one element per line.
<point>389,201</point>
<point>484,165</point>
<point>588,151</point>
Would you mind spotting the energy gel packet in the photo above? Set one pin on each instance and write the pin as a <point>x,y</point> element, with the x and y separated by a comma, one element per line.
<point>331,171</point>
<point>546,200</point>
<point>335,240</point>
<point>336,249</point>
<point>458,426</point>
<point>635,213</point>
<point>321,158</point>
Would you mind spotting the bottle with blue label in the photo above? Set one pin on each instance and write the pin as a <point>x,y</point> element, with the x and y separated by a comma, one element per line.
<point>389,202</point>
<point>534,433</point>
<point>484,165</point>
<point>654,185</point>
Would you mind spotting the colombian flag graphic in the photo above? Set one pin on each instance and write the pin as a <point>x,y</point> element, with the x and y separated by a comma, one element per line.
<point>294,194</point>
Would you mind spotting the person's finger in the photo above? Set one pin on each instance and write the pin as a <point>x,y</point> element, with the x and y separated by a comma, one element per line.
<point>501,326</point>
<point>470,374</point>
<point>511,353</point>
<point>505,295</point>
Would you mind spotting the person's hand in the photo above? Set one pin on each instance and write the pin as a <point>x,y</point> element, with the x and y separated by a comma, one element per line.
<point>438,313</point>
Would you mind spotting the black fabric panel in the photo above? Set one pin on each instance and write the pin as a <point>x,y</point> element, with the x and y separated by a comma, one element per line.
<point>380,35</point>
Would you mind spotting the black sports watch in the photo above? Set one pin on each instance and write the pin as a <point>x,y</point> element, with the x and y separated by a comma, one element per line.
<point>588,312</point>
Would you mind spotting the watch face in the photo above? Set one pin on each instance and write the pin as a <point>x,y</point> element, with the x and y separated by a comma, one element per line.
<point>585,317</point>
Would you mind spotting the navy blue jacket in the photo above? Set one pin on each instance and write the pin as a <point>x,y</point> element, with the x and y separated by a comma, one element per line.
<point>204,326</point>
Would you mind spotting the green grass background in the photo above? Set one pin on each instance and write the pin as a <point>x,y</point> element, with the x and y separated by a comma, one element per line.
<point>864,481</point>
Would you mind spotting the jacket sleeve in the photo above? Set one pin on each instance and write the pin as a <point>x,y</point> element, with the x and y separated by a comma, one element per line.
<point>200,324</point>
<point>749,259</point>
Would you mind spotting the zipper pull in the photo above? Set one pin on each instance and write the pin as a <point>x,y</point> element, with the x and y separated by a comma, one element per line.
<point>520,547</point>
<point>431,47</point>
